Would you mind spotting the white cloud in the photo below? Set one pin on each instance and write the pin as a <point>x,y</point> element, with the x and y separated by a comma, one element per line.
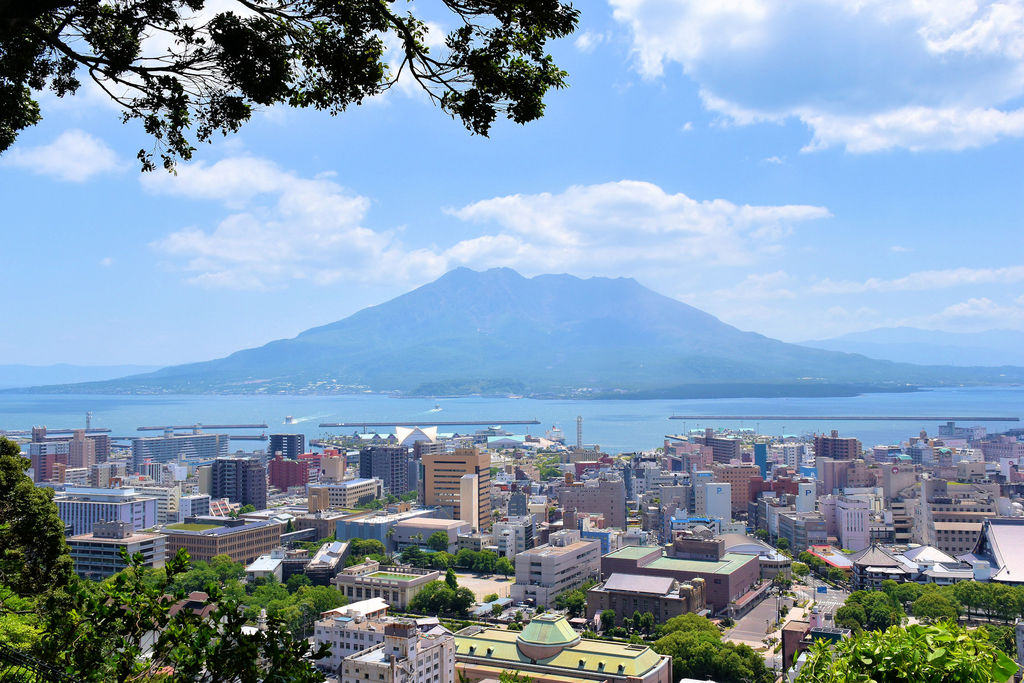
<point>624,226</point>
<point>975,314</point>
<point>866,75</point>
<point>589,40</point>
<point>106,261</point>
<point>74,156</point>
<point>773,160</point>
<point>283,228</point>
<point>755,287</point>
<point>924,280</point>
<point>899,249</point>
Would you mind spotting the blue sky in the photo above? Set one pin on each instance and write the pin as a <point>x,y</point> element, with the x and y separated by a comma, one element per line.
<point>802,169</point>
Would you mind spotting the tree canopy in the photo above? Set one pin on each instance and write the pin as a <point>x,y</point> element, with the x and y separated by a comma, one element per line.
<point>189,69</point>
<point>698,651</point>
<point>941,652</point>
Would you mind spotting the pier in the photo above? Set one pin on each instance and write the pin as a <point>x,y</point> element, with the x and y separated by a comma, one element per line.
<point>202,426</point>
<point>850,418</point>
<point>431,423</point>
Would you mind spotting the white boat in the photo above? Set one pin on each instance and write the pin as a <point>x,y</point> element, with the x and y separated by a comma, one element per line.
<point>437,408</point>
<point>289,420</point>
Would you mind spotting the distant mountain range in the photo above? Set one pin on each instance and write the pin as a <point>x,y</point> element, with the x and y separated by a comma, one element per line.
<point>931,347</point>
<point>497,332</point>
<point>62,373</point>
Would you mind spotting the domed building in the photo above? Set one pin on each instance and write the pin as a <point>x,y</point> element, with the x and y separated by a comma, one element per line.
<point>548,650</point>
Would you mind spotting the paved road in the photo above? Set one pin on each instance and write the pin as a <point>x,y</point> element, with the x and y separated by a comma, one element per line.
<point>757,623</point>
<point>828,602</point>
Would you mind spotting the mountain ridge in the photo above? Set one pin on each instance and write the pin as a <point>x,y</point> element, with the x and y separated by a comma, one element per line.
<point>498,332</point>
<point>914,345</point>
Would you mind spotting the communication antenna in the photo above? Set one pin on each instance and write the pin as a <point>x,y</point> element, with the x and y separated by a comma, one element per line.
<point>579,432</point>
<point>88,420</point>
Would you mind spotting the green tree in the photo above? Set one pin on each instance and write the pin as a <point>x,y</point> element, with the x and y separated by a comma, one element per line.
<point>246,509</point>
<point>574,602</point>
<point>933,606</point>
<point>451,580</point>
<point>607,619</point>
<point>33,554</point>
<point>508,676</point>
<point>504,567</point>
<point>933,652</point>
<point>800,569</point>
<point>497,610</point>
<point>836,575</point>
<point>700,653</point>
<point>490,597</point>
<point>258,53</point>
<point>782,543</point>
<point>297,581</point>
<point>438,541</point>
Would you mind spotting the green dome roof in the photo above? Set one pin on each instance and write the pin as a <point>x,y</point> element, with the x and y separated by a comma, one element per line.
<point>549,629</point>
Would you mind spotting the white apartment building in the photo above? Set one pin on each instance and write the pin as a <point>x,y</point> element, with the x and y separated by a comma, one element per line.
<point>513,535</point>
<point>350,629</point>
<point>167,498</point>
<point>405,656</point>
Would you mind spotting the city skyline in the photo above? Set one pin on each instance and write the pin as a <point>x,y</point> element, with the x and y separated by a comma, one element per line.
<point>749,162</point>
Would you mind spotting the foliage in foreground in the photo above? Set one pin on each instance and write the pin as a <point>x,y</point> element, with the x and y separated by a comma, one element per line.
<point>922,653</point>
<point>698,651</point>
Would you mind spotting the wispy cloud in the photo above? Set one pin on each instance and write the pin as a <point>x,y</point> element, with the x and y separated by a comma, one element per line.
<point>924,280</point>
<point>74,156</point>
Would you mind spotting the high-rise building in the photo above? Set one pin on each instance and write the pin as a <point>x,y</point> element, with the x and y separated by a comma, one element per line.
<point>291,446</point>
<point>761,458</point>
<point>835,447</point>
<point>45,457</point>
<point>83,507</point>
<point>441,483</point>
<point>240,480</point>
<point>284,474</point>
<point>605,495</point>
<point>171,447</point>
<point>390,464</point>
<point>81,451</point>
<point>723,448</point>
<point>97,555</point>
<point>740,478</point>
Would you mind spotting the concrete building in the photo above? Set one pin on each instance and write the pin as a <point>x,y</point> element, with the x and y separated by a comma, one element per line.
<point>405,656</point>
<point>83,507</point>
<point>835,447</point>
<point>193,506</point>
<point>727,576</point>
<point>81,450</point>
<point>441,484</point>
<point>802,529</point>
<point>717,501</point>
<point>103,474</point>
<point>564,563</point>
<point>395,585</point>
<point>284,474</point>
<point>739,478</point>
<point>240,480</point>
<point>723,448</point>
<point>45,457</point>
<point>97,555</point>
<point>173,447</point>
<point>242,543</point>
<point>514,535</point>
<point>950,514</point>
<point>168,499</point>
<point>390,464</point>
<point>266,566</point>
<point>418,530</point>
<point>662,596</point>
<point>377,525</point>
<point>349,629</point>
<point>548,650</point>
<point>290,446</point>
<point>605,495</point>
<point>853,523</point>
<point>344,494</point>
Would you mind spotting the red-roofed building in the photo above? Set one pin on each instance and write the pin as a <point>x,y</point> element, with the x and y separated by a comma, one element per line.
<point>284,474</point>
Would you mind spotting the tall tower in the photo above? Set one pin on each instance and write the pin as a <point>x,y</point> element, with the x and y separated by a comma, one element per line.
<point>579,432</point>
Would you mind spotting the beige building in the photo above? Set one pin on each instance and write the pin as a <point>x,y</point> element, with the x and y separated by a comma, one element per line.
<point>349,629</point>
<point>418,530</point>
<point>396,585</point>
<point>97,555</point>
<point>563,564</point>
<point>406,656</point>
<point>662,596</point>
<point>343,494</point>
<point>205,541</point>
<point>441,484</point>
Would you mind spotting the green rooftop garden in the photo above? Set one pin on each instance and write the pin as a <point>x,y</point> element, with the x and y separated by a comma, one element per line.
<point>390,575</point>
<point>183,526</point>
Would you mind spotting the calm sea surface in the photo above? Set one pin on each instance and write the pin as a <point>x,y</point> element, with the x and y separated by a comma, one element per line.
<point>616,425</point>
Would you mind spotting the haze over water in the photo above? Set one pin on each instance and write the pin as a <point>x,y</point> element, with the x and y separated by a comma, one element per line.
<point>616,425</point>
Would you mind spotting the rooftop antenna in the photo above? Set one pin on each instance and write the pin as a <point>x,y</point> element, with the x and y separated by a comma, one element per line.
<point>88,420</point>
<point>579,432</point>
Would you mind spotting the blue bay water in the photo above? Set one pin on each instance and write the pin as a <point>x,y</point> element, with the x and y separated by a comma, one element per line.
<point>616,425</point>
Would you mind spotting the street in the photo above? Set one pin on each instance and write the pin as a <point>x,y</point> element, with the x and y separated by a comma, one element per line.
<point>757,623</point>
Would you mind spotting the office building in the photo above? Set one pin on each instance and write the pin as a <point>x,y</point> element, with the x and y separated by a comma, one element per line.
<point>802,529</point>
<point>564,563</point>
<point>290,446</point>
<point>168,498</point>
<point>407,655</point>
<point>723,448</point>
<point>739,478</point>
<point>418,531</point>
<point>761,458</point>
<point>240,480</point>
<point>949,515</point>
<point>549,650</point>
<point>193,506</point>
<point>344,494</point>
<point>441,484</point>
<point>173,447</point>
<point>853,523</point>
<point>718,501</point>
<point>284,474</point>
<point>103,474</point>
<point>834,447</point>
<point>390,464</point>
<point>377,525</point>
<point>604,495</point>
<point>395,585</point>
<point>517,504</point>
<point>97,555</point>
<point>45,457</point>
<point>81,450</point>
<point>513,535</point>
<point>83,507</point>
<point>242,543</point>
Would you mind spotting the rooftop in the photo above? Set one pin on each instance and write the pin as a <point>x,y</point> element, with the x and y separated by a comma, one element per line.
<point>638,583</point>
<point>634,552</point>
<point>729,563</point>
